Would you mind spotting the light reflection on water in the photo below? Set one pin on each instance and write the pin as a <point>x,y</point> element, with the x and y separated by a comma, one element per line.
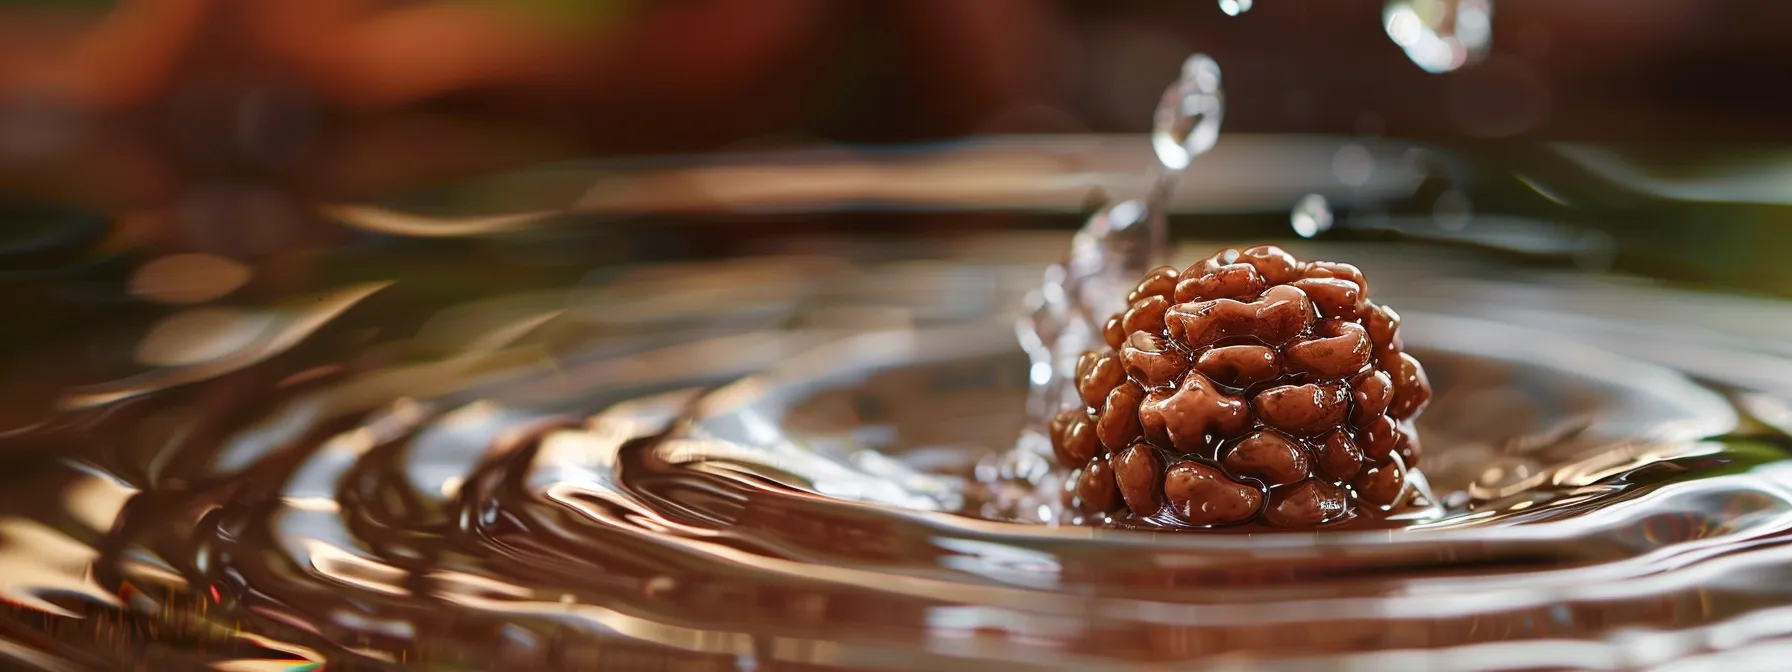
<point>729,477</point>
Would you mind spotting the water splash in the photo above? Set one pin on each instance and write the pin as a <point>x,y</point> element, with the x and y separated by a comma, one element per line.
<point>1440,35</point>
<point>1118,244</point>
<point>1311,216</point>
<point>1114,247</point>
<point>756,484</point>
<point>1187,121</point>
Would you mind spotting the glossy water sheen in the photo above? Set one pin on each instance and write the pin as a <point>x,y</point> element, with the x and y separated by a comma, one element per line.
<point>766,465</point>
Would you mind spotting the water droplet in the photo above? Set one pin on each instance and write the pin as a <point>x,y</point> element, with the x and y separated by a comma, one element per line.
<point>1235,7</point>
<point>1188,118</point>
<point>1440,35</point>
<point>1353,165</point>
<point>1311,216</point>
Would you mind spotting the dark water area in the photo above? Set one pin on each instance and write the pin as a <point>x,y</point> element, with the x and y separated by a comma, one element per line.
<point>805,462</point>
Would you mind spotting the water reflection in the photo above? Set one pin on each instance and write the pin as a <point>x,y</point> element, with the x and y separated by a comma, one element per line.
<point>779,489</point>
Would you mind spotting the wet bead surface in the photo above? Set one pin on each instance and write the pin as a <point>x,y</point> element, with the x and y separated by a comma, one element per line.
<point>1151,361</point>
<point>1412,389</point>
<point>1302,410</point>
<point>1339,457</point>
<point>1147,315</point>
<point>1335,350</point>
<point>1201,495</point>
<point>1161,281</point>
<point>1096,489</point>
<point>1381,485</point>
<point>1138,472</point>
<point>1276,392</point>
<point>1195,411</point>
<point>1279,315</point>
<point>1097,374</point>
<point>1118,424</point>
<point>1307,504</point>
<point>1239,365</point>
<point>1073,437</point>
<point>1268,457</point>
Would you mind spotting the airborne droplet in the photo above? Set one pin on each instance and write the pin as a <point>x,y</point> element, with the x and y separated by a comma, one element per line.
<point>1235,7</point>
<point>1311,216</point>
<point>1440,35</point>
<point>1187,122</point>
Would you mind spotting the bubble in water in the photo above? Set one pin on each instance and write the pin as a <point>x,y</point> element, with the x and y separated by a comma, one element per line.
<point>1440,35</point>
<point>1188,118</point>
<point>1235,7</point>
<point>1311,216</point>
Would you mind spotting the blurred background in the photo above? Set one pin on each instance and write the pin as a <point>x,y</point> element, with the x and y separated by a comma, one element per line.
<point>475,216</point>
<point>257,147</point>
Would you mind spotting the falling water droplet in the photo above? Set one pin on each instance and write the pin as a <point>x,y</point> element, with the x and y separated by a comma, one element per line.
<point>1235,7</point>
<point>1440,35</point>
<point>1188,118</point>
<point>1311,216</point>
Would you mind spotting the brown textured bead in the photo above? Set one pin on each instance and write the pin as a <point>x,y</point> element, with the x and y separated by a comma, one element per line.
<point>1276,264</point>
<point>1151,361</point>
<point>1307,504</point>
<point>1201,495</point>
<point>1384,331</point>
<point>1239,365</point>
<point>1336,298</point>
<point>1409,448</point>
<point>1073,437</point>
<point>1412,389</point>
<point>1232,281</point>
<point>1282,313</point>
<point>1118,423</point>
<point>1210,264</point>
<point>1337,350</point>
<point>1377,439</point>
<point>1139,472</point>
<point>1114,332</point>
<point>1161,281</point>
<point>1381,485</point>
<point>1251,387</point>
<point>1268,457</point>
<point>1339,458</point>
<point>1096,488</point>
<point>1302,410</point>
<point>1146,315</point>
<point>1370,395</point>
<point>1086,361</point>
<point>1098,375</point>
<point>1195,411</point>
<point>1332,269</point>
